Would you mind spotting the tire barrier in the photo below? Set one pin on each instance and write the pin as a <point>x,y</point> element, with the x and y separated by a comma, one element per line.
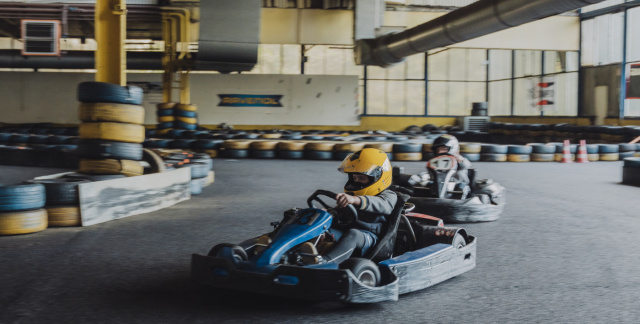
<point>559,156</point>
<point>64,216</point>
<point>270,135</point>
<point>236,145</point>
<point>289,154</point>
<point>412,156</point>
<point>408,148</point>
<point>348,147</point>
<point>624,155</point>
<point>23,222</point>
<point>384,147</point>
<point>543,157</point>
<point>518,150</point>
<point>98,149</point>
<point>184,125</point>
<point>186,107</point>
<point>165,113</point>
<point>235,153</point>
<point>291,146</point>
<point>472,157</point>
<point>318,155</point>
<point>93,92</point>
<point>185,113</point>
<point>111,112</point>
<point>263,145</point>
<point>609,156</point>
<point>320,146</point>
<point>60,191</point>
<point>22,197</point>
<point>542,149</point>
<point>111,166</point>
<point>518,157</point>
<point>470,147</point>
<point>262,154</point>
<point>608,148</point>
<point>493,157</point>
<point>118,132</point>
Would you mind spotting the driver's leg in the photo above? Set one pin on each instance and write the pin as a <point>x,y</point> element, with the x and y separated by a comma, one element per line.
<point>349,242</point>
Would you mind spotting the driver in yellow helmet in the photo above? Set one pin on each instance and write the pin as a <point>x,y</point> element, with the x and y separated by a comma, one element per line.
<point>369,172</point>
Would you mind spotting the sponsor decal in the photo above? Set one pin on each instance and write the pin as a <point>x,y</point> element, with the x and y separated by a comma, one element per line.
<point>245,100</point>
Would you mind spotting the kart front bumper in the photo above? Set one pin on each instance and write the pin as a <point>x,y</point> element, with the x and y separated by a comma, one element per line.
<point>309,283</point>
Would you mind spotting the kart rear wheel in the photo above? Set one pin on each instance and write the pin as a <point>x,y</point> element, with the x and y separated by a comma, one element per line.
<point>238,253</point>
<point>459,241</point>
<point>365,270</point>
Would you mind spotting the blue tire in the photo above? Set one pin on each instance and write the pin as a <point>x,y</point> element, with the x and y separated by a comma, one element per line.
<point>22,197</point>
<point>92,91</point>
<point>285,154</point>
<point>183,125</point>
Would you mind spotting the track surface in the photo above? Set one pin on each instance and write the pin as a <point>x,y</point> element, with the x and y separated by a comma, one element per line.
<point>564,251</point>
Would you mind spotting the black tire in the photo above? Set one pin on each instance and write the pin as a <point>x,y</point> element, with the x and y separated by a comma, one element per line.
<point>519,149</point>
<point>183,125</point>
<point>96,149</point>
<point>364,270</point>
<point>238,252</point>
<point>262,154</point>
<point>61,191</point>
<point>235,154</point>
<point>407,147</point>
<point>285,154</point>
<point>608,148</point>
<point>472,157</point>
<point>543,149</point>
<point>92,91</point>
<point>318,155</point>
<point>458,241</point>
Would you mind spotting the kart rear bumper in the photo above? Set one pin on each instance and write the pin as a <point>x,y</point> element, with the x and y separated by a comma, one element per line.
<point>310,283</point>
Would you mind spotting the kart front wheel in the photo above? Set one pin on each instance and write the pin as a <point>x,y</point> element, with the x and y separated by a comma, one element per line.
<point>365,270</point>
<point>237,252</point>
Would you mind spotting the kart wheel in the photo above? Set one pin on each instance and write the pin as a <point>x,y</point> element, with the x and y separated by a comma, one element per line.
<point>365,270</point>
<point>238,253</point>
<point>459,241</point>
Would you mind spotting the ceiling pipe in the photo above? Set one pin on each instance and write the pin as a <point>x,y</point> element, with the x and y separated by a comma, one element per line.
<point>82,60</point>
<point>475,20</point>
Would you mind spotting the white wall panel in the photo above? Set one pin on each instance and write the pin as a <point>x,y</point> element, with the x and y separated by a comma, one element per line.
<point>633,34</point>
<point>601,5</point>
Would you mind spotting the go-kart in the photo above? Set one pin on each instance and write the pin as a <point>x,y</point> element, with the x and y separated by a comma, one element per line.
<point>437,192</point>
<point>413,252</point>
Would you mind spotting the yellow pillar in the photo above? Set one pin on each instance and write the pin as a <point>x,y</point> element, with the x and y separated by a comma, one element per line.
<point>110,28</point>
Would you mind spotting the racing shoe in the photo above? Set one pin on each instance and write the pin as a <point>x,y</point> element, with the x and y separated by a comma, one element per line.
<point>310,255</point>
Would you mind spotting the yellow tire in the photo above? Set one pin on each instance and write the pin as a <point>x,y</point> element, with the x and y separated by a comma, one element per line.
<point>111,112</point>
<point>118,132</point>
<point>609,156</point>
<point>518,157</point>
<point>188,120</point>
<point>270,135</point>
<point>236,145</point>
<point>23,222</point>
<point>468,147</point>
<point>594,157</point>
<point>426,147</point>
<point>384,147</point>
<point>540,157</point>
<point>263,145</point>
<point>291,146</point>
<point>211,152</point>
<point>163,131</point>
<point>416,156</point>
<point>187,107</point>
<point>166,105</point>
<point>64,216</point>
<point>111,166</point>
<point>319,146</point>
<point>560,156</point>
<point>164,119</point>
<point>348,147</point>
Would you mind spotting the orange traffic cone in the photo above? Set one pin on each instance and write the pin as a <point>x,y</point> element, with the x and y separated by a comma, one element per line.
<point>566,152</point>
<point>582,152</point>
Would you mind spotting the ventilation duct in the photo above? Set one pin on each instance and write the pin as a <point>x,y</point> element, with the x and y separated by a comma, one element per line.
<point>229,35</point>
<point>475,20</point>
<point>76,60</point>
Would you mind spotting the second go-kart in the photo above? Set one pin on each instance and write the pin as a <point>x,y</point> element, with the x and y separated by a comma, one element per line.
<point>414,252</point>
<point>438,194</point>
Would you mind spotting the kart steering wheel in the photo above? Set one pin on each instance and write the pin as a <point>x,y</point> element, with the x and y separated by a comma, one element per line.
<point>349,218</point>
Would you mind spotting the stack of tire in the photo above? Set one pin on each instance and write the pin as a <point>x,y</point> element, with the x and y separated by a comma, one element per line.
<point>471,151</point>
<point>407,151</point>
<point>631,171</point>
<point>111,131</point>
<point>165,114</point>
<point>62,201</point>
<point>21,209</point>
<point>186,117</point>
<point>290,150</point>
<point>493,153</point>
<point>542,152</point>
<point>609,152</point>
<point>519,153</point>
<point>342,150</point>
<point>626,150</point>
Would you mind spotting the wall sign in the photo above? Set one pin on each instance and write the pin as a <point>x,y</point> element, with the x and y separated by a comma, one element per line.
<point>246,100</point>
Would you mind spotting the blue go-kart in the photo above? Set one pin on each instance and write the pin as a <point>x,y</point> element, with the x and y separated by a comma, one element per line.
<point>413,252</point>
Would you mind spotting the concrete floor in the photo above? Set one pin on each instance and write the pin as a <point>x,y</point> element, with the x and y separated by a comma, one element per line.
<point>562,252</point>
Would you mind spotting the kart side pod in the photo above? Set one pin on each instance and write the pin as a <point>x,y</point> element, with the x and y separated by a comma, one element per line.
<point>428,235</point>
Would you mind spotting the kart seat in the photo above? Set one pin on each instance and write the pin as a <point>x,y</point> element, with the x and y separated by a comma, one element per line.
<point>384,249</point>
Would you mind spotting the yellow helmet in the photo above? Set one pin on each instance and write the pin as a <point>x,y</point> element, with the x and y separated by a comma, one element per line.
<point>370,162</point>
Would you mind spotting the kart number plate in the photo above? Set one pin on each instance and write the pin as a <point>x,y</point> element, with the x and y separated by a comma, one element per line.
<point>444,163</point>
